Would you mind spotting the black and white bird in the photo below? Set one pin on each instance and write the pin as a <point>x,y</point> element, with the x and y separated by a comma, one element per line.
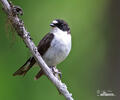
<point>54,47</point>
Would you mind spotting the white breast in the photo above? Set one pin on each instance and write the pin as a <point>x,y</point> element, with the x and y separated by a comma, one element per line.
<point>59,49</point>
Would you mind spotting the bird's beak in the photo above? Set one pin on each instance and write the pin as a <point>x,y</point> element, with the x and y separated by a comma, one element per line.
<point>52,25</point>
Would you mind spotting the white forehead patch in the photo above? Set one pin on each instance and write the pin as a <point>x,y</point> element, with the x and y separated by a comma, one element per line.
<point>55,22</point>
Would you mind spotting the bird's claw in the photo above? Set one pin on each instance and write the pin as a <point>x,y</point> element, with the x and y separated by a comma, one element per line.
<point>56,72</point>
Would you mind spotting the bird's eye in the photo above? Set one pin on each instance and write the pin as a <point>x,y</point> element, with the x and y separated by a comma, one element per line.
<point>62,24</point>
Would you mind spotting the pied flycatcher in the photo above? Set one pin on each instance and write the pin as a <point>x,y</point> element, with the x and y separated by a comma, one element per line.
<point>53,48</point>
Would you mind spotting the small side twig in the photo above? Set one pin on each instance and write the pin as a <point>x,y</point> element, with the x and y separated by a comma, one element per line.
<point>13,16</point>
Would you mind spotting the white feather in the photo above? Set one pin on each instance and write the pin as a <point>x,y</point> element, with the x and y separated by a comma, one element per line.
<point>59,49</point>
<point>55,22</point>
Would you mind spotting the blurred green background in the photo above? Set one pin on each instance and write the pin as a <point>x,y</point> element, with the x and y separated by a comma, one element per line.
<point>93,63</point>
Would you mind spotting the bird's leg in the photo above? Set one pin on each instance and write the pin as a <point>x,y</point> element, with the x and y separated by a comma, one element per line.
<point>60,74</point>
<point>56,72</point>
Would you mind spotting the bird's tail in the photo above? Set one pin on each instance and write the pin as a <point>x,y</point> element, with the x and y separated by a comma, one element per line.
<point>26,67</point>
<point>39,74</point>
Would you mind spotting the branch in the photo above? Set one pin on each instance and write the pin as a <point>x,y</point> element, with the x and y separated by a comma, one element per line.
<point>18,25</point>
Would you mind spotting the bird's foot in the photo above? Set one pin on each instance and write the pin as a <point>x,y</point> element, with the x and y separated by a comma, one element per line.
<point>56,72</point>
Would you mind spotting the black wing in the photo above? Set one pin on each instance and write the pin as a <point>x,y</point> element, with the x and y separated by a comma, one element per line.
<point>44,44</point>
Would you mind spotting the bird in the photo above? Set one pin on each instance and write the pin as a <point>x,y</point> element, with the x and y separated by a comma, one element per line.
<point>54,48</point>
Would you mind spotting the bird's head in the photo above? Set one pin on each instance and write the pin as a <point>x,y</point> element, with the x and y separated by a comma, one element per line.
<point>60,24</point>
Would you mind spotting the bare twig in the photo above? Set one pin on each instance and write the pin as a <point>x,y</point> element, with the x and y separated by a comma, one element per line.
<point>12,13</point>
